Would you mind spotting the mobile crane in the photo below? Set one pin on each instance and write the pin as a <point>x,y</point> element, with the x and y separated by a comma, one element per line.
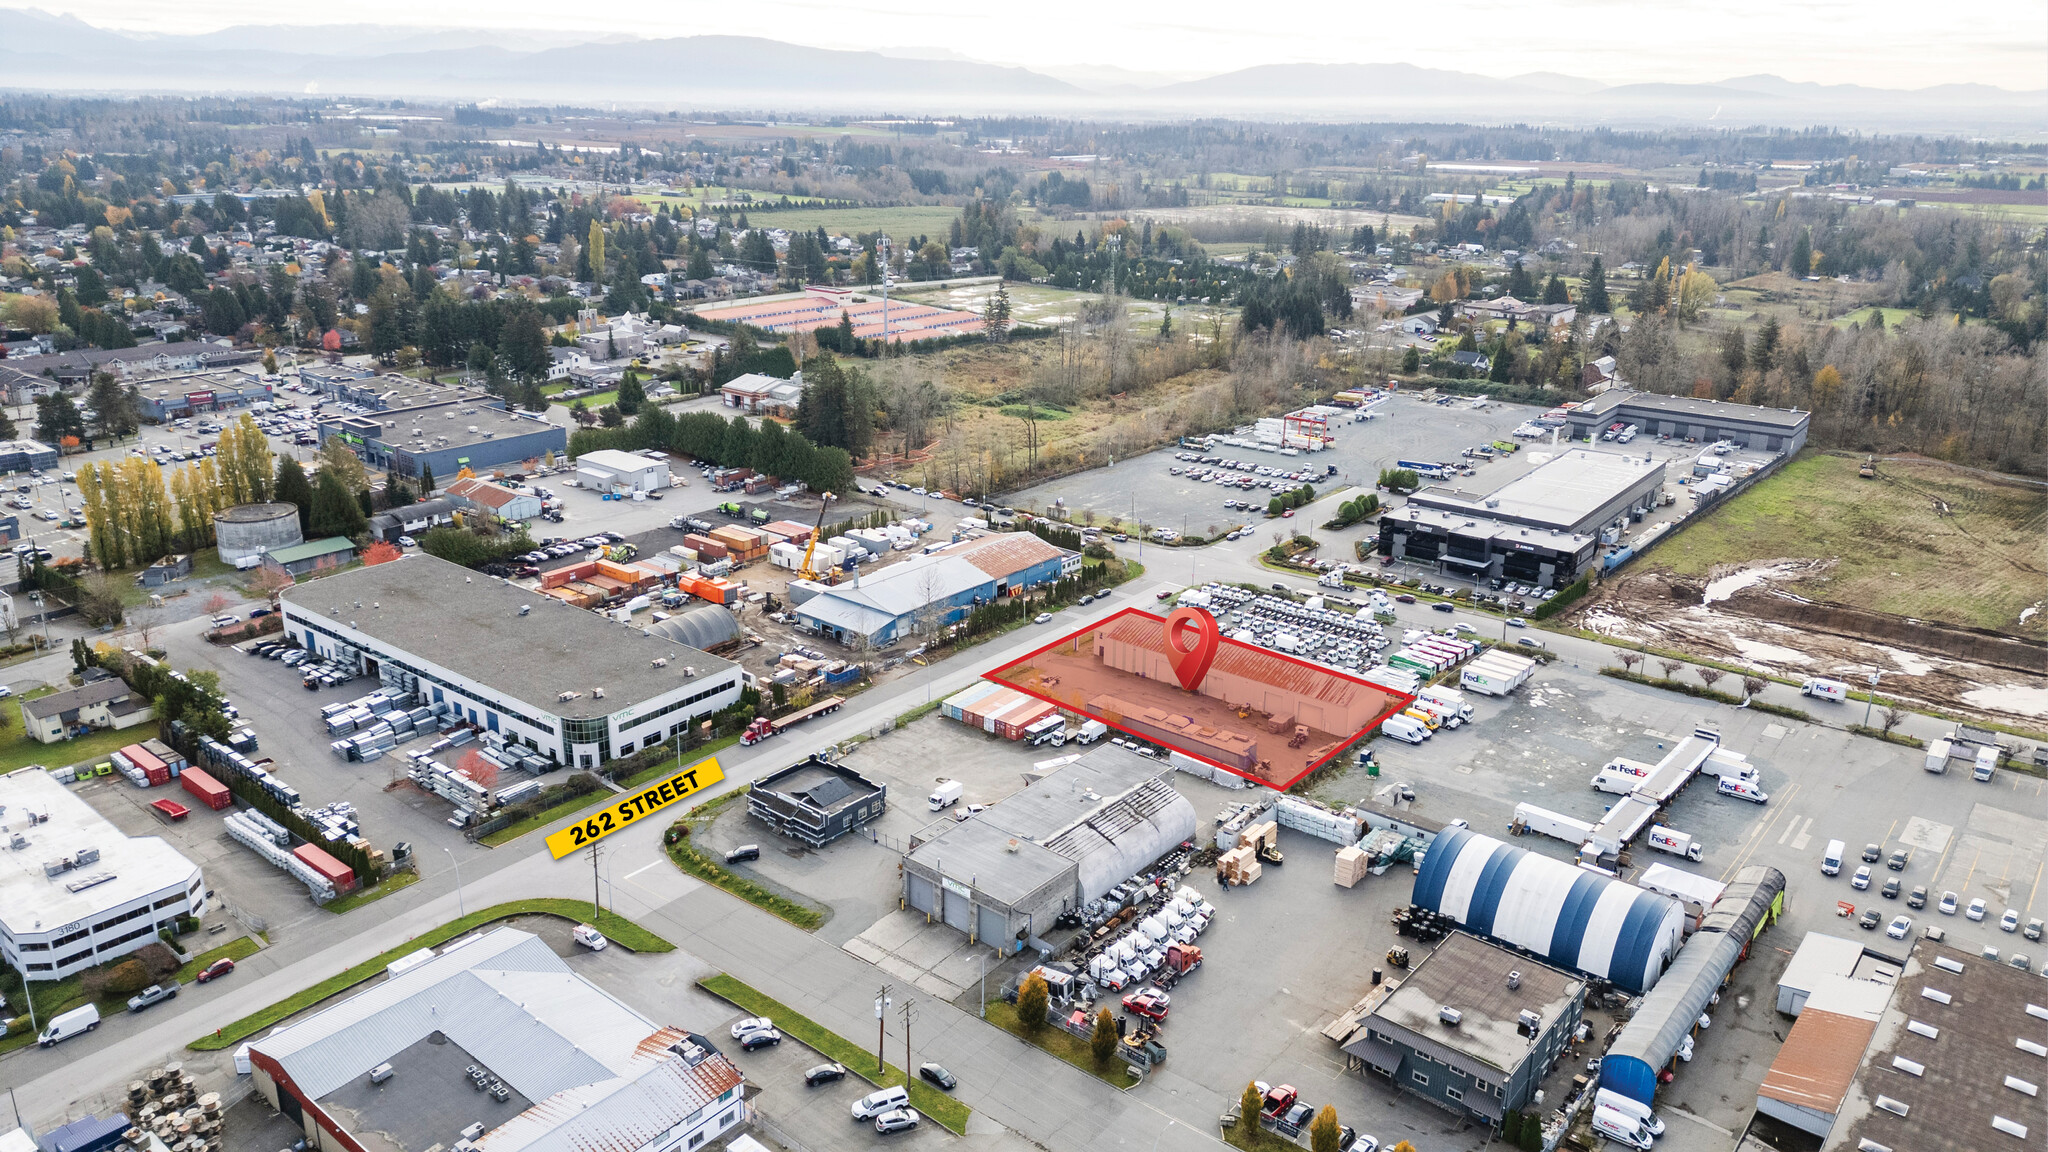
<point>805,571</point>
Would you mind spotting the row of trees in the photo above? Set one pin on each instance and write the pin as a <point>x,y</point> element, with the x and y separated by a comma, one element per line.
<point>769,449</point>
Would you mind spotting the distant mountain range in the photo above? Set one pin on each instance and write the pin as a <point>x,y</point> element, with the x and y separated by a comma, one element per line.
<point>39,51</point>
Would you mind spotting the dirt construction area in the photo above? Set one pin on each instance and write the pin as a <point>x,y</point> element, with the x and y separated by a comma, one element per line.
<point>1932,576</point>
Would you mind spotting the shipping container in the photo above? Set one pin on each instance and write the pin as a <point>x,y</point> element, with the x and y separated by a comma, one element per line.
<point>338,874</point>
<point>210,791</point>
<point>145,760</point>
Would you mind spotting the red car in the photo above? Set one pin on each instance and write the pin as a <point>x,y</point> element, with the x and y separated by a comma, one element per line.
<point>1151,1003</point>
<point>217,969</point>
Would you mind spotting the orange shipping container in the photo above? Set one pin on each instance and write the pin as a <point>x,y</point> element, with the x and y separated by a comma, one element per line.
<point>738,539</point>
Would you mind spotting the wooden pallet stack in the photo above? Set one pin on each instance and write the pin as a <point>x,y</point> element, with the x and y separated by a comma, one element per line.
<point>1351,866</point>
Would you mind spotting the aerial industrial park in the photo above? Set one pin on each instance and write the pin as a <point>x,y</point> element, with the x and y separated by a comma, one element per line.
<point>584,625</point>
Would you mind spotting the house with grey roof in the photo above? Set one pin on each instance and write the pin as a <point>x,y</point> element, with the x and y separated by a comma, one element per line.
<point>107,703</point>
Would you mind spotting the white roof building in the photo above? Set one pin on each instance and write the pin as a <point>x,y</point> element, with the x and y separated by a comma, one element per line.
<point>75,890</point>
<point>579,1069</point>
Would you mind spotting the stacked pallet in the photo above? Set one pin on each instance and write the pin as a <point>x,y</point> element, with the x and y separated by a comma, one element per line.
<point>1238,867</point>
<point>1351,866</point>
<point>1318,821</point>
<point>1265,832</point>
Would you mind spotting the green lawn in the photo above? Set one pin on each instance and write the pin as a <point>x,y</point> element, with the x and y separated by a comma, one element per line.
<point>395,882</point>
<point>901,223</point>
<point>929,1101</point>
<point>238,949</point>
<point>18,749</point>
<point>622,932</point>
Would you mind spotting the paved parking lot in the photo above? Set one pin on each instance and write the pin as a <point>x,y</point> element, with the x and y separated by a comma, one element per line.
<point>1404,428</point>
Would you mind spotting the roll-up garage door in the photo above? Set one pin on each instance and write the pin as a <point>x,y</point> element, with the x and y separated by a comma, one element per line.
<point>994,929</point>
<point>920,890</point>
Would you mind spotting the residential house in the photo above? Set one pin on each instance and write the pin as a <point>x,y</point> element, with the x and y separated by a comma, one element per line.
<point>107,703</point>
<point>495,499</point>
<point>312,556</point>
<point>417,517</point>
<point>755,393</point>
<point>1476,362</point>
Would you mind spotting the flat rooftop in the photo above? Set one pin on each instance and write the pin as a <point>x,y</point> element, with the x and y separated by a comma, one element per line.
<point>1478,526</point>
<point>1614,399</point>
<point>426,1103</point>
<point>827,787</point>
<point>449,420</point>
<point>1955,1086</point>
<point>470,624</point>
<point>1471,975</point>
<point>31,902</point>
<point>1560,493</point>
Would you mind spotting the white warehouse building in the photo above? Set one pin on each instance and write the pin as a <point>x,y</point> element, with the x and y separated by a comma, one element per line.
<point>570,685</point>
<point>76,891</point>
<point>607,470</point>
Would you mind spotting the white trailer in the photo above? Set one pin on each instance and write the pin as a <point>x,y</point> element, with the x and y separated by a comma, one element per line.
<point>1530,818</point>
<point>1675,842</point>
<point>1496,673</point>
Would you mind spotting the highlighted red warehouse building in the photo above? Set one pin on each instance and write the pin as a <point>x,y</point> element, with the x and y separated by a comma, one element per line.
<point>1267,717</point>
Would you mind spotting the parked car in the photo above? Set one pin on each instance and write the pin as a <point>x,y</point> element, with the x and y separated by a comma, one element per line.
<point>1871,918</point>
<point>154,994</point>
<point>743,852</point>
<point>1948,904</point>
<point>216,970</point>
<point>763,1039</point>
<point>1976,909</point>
<point>1900,925</point>
<point>2009,922</point>
<point>900,1120</point>
<point>752,1024</point>
<point>824,1074</point>
<point>1917,898</point>
<point>1861,881</point>
<point>937,1074</point>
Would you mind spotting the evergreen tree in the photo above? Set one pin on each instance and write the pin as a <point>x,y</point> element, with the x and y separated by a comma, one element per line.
<point>1519,284</point>
<point>524,346</point>
<point>335,511</point>
<point>1554,291</point>
<point>426,480</point>
<point>56,418</point>
<point>116,408</point>
<point>1596,288</point>
<point>223,315</point>
<point>700,264</point>
<point>1800,262</point>
<point>293,488</point>
<point>631,394</point>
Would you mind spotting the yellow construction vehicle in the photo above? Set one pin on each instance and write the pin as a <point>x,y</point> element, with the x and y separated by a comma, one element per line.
<point>1869,468</point>
<point>805,571</point>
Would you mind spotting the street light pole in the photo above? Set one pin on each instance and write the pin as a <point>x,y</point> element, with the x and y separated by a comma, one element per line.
<point>1868,701</point>
<point>460,909</point>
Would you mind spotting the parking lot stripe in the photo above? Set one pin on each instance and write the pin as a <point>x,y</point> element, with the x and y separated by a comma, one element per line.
<point>2034,893</point>
<point>1756,838</point>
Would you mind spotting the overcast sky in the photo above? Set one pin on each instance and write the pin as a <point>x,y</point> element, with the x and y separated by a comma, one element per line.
<point>1882,43</point>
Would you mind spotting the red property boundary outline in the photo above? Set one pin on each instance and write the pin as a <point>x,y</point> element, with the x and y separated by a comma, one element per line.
<point>1403,699</point>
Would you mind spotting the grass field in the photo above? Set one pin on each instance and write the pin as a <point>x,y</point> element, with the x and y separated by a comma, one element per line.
<point>1973,559</point>
<point>900,223</point>
<point>18,749</point>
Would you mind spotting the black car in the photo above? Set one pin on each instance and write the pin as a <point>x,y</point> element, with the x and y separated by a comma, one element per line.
<point>938,1075</point>
<point>1890,891</point>
<point>1871,919</point>
<point>743,852</point>
<point>1918,897</point>
<point>824,1074</point>
<point>1443,606</point>
<point>766,1037</point>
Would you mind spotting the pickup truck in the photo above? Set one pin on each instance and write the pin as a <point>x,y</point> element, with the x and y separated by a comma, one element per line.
<point>153,994</point>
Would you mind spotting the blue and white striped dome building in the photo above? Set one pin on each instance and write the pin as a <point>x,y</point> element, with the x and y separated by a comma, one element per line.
<point>1566,915</point>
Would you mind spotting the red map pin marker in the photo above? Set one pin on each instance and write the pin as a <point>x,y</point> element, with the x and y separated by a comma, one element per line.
<point>1191,656</point>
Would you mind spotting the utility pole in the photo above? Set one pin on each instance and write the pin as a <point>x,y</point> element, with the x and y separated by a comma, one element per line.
<point>596,906</point>
<point>882,1006</point>
<point>909,1014</point>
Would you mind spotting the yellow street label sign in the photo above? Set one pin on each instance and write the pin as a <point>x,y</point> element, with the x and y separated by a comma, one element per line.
<point>626,810</point>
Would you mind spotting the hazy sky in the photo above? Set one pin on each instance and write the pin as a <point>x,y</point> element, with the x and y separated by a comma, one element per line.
<point>1882,43</point>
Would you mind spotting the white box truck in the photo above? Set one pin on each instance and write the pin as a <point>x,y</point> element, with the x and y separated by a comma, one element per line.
<point>946,795</point>
<point>1675,842</point>
<point>1088,733</point>
<point>1937,756</point>
<point>1450,698</point>
<point>65,1025</point>
<point>1628,1105</point>
<point>1405,728</point>
<point>1987,763</point>
<point>1831,690</point>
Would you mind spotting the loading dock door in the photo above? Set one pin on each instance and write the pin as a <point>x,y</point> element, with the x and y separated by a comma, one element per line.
<point>919,891</point>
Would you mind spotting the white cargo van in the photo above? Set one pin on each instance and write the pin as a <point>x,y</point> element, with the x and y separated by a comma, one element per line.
<point>1831,690</point>
<point>1629,1106</point>
<point>875,1103</point>
<point>66,1025</point>
<point>1744,790</point>
<point>1405,729</point>
<point>1620,1127</point>
<point>947,795</point>
<point>1831,860</point>
<point>1937,756</point>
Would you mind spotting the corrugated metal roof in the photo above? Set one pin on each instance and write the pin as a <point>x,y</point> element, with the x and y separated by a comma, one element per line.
<point>1818,1061</point>
<point>1005,555</point>
<point>618,1115</point>
<point>505,997</point>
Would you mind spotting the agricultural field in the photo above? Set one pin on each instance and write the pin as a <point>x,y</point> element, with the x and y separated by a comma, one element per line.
<point>1039,305</point>
<point>1923,540</point>
<point>900,223</point>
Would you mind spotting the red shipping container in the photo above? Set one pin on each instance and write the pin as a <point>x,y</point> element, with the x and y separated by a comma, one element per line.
<point>146,760</point>
<point>211,792</point>
<point>158,775</point>
<point>340,875</point>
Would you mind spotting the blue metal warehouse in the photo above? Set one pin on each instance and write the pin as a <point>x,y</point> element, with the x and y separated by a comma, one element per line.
<point>1571,917</point>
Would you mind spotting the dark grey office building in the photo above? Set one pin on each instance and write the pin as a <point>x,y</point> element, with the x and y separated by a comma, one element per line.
<point>1473,1028</point>
<point>1759,429</point>
<point>817,802</point>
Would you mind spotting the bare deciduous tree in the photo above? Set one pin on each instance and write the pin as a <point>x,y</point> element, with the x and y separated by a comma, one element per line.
<point>1751,685</point>
<point>1709,676</point>
<point>1889,717</point>
<point>1629,660</point>
<point>1670,667</point>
